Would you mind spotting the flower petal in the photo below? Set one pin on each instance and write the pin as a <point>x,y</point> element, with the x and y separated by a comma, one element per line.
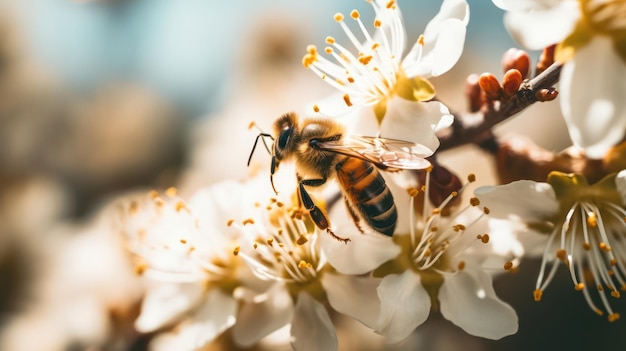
<point>211,319</point>
<point>596,117</point>
<point>469,301</point>
<point>166,303</point>
<point>353,296</point>
<point>311,328</point>
<point>536,27</point>
<point>257,320</point>
<point>415,121</point>
<point>404,305</point>
<point>523,199</point>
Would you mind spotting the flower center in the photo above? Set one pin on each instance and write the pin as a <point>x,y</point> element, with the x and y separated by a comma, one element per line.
<point>588,239</point>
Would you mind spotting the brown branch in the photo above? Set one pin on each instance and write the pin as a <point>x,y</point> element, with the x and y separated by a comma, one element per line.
<point>462,133</point>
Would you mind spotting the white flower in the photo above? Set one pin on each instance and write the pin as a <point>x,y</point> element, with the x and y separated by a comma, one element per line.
<point>382,75</point>
<point>442,266</point>
<point>184,252</point>
<point>283,247</point>
<point>591,38</point>
<point>582,226</point>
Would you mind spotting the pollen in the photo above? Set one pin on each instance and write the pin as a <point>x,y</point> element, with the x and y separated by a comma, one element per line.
<point>579,287</point>
<point>561,254</point>
<point>236,250</point>
<point>474,201</point>
<point>413,192</point>
<point>301,240</point>
<point>330,40</point>
<point>328,50</point>
<point>171,192</point>
<point>604,247</point>
<point>183,241</point>
<point>471,177</point>
<point>377,23</point>
<point>355,14</point>
<point>230,222</point>
<point>508,265</point>
<point>592,219</point>
<point>613,317</point>
<point>538,293</point>
<point>338,17</point>
<point>365,59</point>
<point>461,265</point>
<point>390,4</point>
<point>316,108</point>
<point>180,206</point>
<point>248,221</point>
<point>346,99</point>
<point>420,41</point>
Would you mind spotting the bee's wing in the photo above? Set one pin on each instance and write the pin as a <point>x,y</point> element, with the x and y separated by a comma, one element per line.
<point>384,153</point>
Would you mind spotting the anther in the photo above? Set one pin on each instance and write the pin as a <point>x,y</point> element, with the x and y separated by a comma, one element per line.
<point>377,23</point>
<point>338,17</point>
<point>471,177</point>
<point>586,246</point>
<point>134,208</point>
<point>171,192</point>
<point>330,40</point>
<point>346,99</point>
<point>561,254</point>
<point>420,40</point>
<point>230,222</point>
<point>461,265</point>
<point>592,219</point>
<point>179,206</point>
<point>537,294</point>
<point>579,287</point>
<point>355,14</point>
<point>153,194</point>
<point>316,108</point>
<point>613,317</point>
<point>508,265</point>
<point>485,238</point>
<point>390,4</point>
<point>301,240</point>
<point>604,247</point>
<point>236,250</point>
<point>248,221</point>
<point>140,268</point>
<point>486,210</point>
<point>183,241</point>
<point>474,201</point>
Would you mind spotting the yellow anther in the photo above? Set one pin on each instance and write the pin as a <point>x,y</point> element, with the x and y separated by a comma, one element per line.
<point>486,210</point>
<point>179,206</point>
<point>604,247</point>
<point>537,294</point>
<point>470,177</point>
<point>420,41</point>
<point>301,240</point>
<point>390,4</point>
<point>153,194</point>
<point>338,17</point>
<point>586,246</point>
<point>592,219</point>
<point>355,14</point>
<point>140,268</point>
<point>579,286</point>
<point>615,294</point>
<point>474,201</point>
<point>508,265</point>
<point>598,311</point>
<point>328,50</point>
<point>236,250</point>
<point>375,46</point>
<point>613,317</point>
<point>230,222</point>
<point>316,108</point>
<point>346,99</point>
<point>171,191</point>
<point>350,79</point>
<point>302,264</point>
<point>377,23</point>
<point>330,40</point>
<point>561,254</point>
<point>485,238</point>
<point>248,221</point>
<point>183,241</point>
<point>365,59</point>
<point>134,208</point>
<point>461,265</point>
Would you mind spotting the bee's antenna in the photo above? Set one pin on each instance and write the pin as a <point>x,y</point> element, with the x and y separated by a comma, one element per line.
<point>261,135</point>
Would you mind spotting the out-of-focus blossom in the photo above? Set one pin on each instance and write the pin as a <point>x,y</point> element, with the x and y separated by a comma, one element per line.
<point>442,266</point>
<point>591,38</point>
<point>391,83</point>
<point>282,245</point>
<point>581,225</point>
<point>184,251</point>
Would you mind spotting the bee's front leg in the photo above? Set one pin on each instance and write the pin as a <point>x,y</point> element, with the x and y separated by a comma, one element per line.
<point>317,215</point>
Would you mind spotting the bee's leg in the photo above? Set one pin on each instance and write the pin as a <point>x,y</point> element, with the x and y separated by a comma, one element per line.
<point>355,218</point>
<point>317,215</point>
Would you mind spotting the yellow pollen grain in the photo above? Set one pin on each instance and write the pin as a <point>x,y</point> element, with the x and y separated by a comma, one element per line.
<point>561,254</point>
<point>604,247</point>
<point>486,210</point>
<point>330,40</point>
<point>316,108</point>
<point>592,219</point>
<point>171,191</point>
<point>153,194</point>
<point>255,246</point>
<point>230,222</point>
<point>586,246</point>
<point>436,211</point>
<point>579,287</point>
<point>248,221</point>
<point>461,265</point>
<point>390,4</point>
<point>302,264</point>
<point>301,240</point>
<point>375,46</point>
<point>328,50</point>
<point>183,241</point>
<point>236,250</point>
<point>613,317</point>
<point>338,17</point>
<point>474,201</point>
<point>350,79</point>
<point>251,125</point>
<point>346,99</point>
<point>179,206</point>
<point>364,60</point>
<point>537,295</point>
<point>270,241</point>
<point>420,41</point>
<point>355,14</point>
<point>377,23</point>
<point>280,204</point>
<point>508,265</point>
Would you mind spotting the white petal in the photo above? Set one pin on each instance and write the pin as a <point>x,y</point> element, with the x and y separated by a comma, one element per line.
<point>620,182</point>
<point>364,253</point>
<point>311,328</point>
<point>525,5</point>
<point>166,303</point>
<point>523,199</point>
<point>469,301</point>
<point>353,296</point>
<point>404,305</point>
<point>415,121</point>
<point>211,319</point>
<point>541,27</point>
<point>593,87</point>
<point>257,320</point>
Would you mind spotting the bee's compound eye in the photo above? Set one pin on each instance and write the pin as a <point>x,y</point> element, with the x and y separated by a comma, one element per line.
<point>284,137</point>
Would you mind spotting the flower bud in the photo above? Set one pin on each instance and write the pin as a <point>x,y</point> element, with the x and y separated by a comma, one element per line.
<point>546,59</point>
<point>543,95</point>
<point>490,85</point>
<point>517,59</point>
<point>511,82</point>
<point>473,93</point>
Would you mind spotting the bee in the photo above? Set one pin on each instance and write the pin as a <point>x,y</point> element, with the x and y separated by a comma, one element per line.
<point>322,151</point>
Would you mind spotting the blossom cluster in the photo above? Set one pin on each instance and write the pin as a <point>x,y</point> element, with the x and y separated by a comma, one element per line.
<point>278,253</point>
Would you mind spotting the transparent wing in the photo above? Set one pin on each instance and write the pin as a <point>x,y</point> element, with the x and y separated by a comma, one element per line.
<point>384,153</point>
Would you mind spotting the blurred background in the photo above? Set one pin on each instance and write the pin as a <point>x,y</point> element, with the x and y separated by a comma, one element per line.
<point>102,98</point>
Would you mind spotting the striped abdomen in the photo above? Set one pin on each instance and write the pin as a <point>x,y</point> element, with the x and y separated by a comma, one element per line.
<point>367,194</point>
